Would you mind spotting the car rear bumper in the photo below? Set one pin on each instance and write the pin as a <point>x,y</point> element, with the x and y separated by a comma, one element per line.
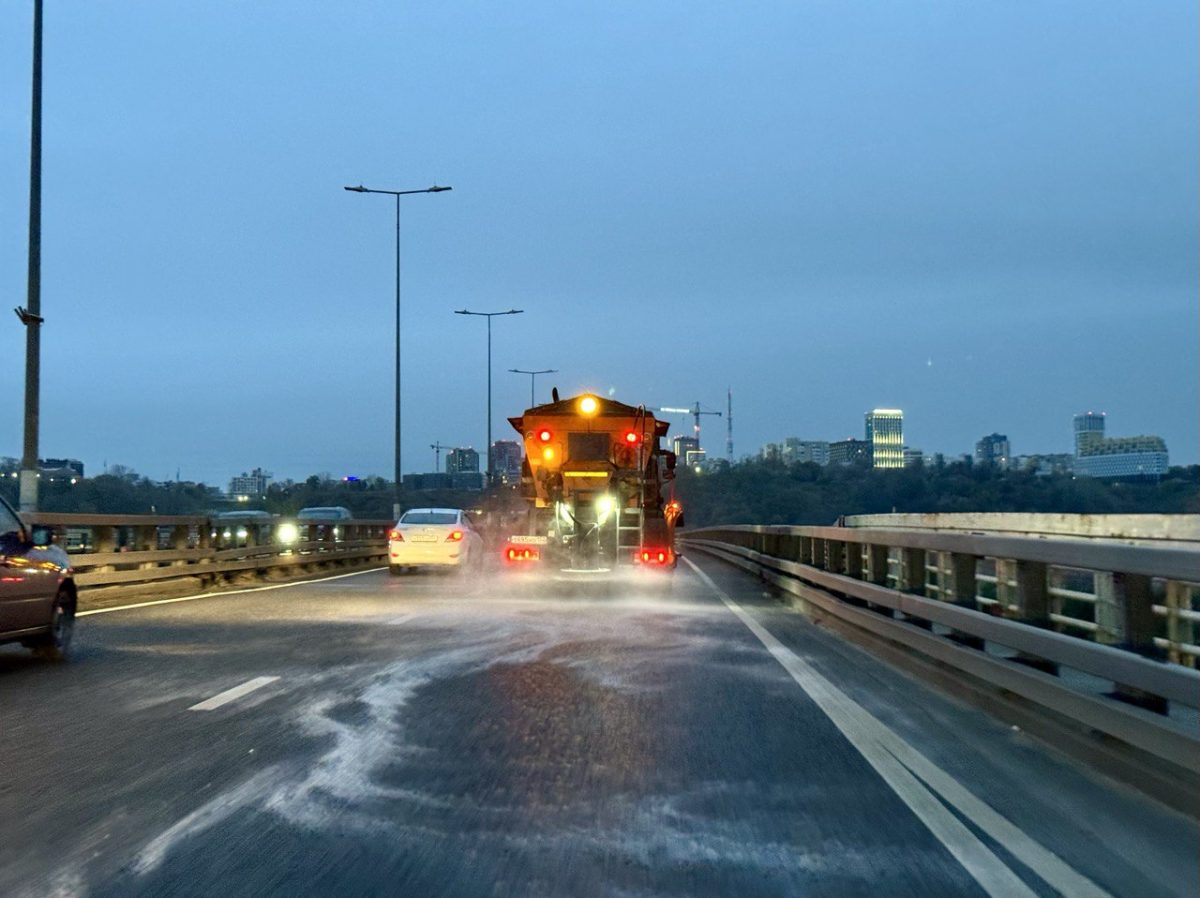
<point>413,553</point>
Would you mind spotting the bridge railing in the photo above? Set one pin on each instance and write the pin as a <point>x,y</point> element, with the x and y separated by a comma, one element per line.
<point>1138,595</point>
<point>115,550</point>
<point>1095,634</point>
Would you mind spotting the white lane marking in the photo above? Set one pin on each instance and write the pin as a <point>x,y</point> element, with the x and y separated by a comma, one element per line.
<point>911,775</point>
<point>231,592</point>
<point>224,698</point>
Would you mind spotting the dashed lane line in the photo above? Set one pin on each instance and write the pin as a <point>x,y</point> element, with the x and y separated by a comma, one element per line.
<point>916,779</point>
<point>231,592</point>
<point>229,695</point>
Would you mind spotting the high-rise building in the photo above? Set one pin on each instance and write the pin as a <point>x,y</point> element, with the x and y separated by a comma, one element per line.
<point>797,450</point>
<point>74,465</point>
<point>913,458</point>
<point>885,434</point>
<point>506,460</point>
<point>1046,464</point>
<point>683,445</point>
<point>850,452</point>
<point>993,449</point>
<point>772,452</point>
<point>462,461</point>
<point>1117,457</point>
<point>1089,431</point>
<point>794,450</point>
<point>250,485</point>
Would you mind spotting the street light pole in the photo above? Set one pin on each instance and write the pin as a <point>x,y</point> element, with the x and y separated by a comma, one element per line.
<point>489,316</point>
<point>399,475</point>
<point>31,316</point>
<point>532,380</point>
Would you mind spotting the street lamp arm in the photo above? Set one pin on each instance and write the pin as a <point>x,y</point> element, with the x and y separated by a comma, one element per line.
<point>434,189</point>
<point>489,314</point>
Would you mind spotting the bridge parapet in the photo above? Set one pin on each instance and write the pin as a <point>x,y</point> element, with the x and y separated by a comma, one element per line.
<point>1097,632</point>
<point>1137,592</point>
<point>151,550</point>
<point>1139,528</point>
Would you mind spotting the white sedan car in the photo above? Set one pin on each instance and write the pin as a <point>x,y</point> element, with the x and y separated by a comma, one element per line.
<point>433,537</point>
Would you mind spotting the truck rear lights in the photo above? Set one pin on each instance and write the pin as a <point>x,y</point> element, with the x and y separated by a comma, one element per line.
<point>454,536</point>
<point>652,556</point>
<point>514,554</point>
<point>545,435</point>
<point>632,437</point>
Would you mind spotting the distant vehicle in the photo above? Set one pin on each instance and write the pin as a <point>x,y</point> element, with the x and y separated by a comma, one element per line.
<point>434,537</point>
<point>37,590</point>
<point>317,523</point>
<point>232,529</point>
<point>324,513</point>
<point>595,481</point>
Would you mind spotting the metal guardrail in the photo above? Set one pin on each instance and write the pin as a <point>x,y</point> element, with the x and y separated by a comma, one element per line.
<point>1022,615</point>
<point>1140,596</point>
<point>112,550</point>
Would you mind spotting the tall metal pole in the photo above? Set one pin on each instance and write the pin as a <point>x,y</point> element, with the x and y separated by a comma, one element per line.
<point>399,474</point>
<point>489,404</point>
<point>729,426</point>
<point>31,316</point>
<point>489,316</point>
<point>399,471</point>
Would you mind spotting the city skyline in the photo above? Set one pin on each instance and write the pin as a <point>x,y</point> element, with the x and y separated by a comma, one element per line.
<point>684,433</point>
<point>1089,439</point>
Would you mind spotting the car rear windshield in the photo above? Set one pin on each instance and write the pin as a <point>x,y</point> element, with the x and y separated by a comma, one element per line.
<point>429,517</point>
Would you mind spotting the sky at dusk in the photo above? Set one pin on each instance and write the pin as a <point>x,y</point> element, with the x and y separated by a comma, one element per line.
<point>982,213</point>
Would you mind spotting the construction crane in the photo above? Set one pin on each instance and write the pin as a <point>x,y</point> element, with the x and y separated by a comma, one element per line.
<point>437,455</point>
<point>695,411</point>
<point>729,426</point>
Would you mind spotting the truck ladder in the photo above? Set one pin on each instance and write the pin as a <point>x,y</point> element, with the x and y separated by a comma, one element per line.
<point>630,521</point>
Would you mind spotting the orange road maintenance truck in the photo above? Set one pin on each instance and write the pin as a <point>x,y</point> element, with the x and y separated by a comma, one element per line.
<point>593,477</point>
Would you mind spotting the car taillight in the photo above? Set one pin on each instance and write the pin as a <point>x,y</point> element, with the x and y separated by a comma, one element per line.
<point>395,536</point>
<point>454,536</point>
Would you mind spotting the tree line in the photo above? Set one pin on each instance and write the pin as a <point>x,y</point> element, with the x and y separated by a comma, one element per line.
<point>762,491</point>
<point>753,491</point>
<point>126,492</point>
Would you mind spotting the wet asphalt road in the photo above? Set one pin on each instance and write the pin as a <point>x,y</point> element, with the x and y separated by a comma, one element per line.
<point>496,736</point>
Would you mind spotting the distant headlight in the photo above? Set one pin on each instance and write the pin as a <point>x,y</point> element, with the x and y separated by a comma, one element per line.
<point>288,533</point>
